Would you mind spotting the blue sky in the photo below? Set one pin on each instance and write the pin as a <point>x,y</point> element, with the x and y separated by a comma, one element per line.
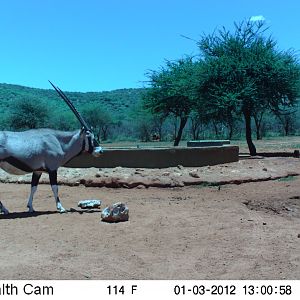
<point>90,45</point>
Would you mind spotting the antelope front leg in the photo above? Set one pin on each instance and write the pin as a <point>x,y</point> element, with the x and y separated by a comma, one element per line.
<point>3,209</point>
<point>34,183</point>
<point>53,182</point>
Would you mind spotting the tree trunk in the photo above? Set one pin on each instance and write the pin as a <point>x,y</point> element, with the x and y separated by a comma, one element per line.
<point>175,127</point>
<point>195,131</point>
<point>229,124</point>
<point>251,146</point>
<point>230,128</point>
<point>230,132</point>
<point>216,128</point>
<point>258,122</point>
<point>287,127</point>
<point>258,136</point>
<point>104,132</point>
<point>183,121</point>
<point>195,127</point>
<point>160,131</point>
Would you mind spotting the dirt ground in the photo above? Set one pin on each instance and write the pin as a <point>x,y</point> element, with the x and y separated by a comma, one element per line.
<point>249,230</point>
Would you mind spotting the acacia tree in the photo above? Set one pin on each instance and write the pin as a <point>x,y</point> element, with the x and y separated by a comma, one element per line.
<point>245,73</point>
<point>258,119</point>
<point>287,120</point>
<point>28,114</point>
<point>172,92</point>
<point>99,119</point>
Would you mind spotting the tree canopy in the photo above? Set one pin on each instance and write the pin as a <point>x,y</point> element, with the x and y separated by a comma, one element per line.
<point>244,73</point>
<point>173,91</point>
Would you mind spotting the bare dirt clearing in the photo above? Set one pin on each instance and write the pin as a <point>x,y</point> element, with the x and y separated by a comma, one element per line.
<point>229,231</point>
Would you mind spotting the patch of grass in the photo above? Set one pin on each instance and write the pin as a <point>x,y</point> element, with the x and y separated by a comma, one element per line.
<point>288,178</point>
<point>295,145</point>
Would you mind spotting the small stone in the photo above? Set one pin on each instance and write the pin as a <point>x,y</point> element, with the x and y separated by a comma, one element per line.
<point>180,167</point>
<point>298,235</point>
<point>265,169</point>
<point>117,212</point>
<point>264,223</point>
<point>165,174</point>
<point>194,173</point>
<point>117,169</point>
<point>176,173</point>
<point>89,204</point>
<point>141,187</point>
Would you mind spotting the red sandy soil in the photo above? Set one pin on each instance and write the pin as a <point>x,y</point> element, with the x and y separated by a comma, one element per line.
<point>235,229</point>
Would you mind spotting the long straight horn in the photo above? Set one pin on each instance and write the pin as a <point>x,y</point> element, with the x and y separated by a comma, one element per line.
<point>72,107</point>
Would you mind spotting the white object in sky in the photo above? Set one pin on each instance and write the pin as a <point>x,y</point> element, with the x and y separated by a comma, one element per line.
<point>257,18</point>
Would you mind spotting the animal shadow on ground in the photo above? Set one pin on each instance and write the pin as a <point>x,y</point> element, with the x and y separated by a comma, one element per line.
<point>23,215</point>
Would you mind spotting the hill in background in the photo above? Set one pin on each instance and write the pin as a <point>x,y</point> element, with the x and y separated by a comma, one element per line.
<point>118,102</point>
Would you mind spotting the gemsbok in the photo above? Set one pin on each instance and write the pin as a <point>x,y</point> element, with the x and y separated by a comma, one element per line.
<point>45,150</point>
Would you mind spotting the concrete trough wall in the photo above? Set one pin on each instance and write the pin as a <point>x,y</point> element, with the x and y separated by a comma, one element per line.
<point>158,157</point>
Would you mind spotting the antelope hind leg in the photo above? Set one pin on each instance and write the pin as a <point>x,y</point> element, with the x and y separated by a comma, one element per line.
<point>34,183</point>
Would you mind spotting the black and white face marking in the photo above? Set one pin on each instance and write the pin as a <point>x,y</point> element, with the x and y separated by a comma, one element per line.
<point>91,145</point>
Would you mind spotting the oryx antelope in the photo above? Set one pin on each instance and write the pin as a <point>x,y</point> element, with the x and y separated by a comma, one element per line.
<point>44,150</point>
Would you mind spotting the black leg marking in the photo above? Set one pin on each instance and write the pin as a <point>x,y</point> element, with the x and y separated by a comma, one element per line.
<point>34,183</point>
<point>53,182</point>
<point>53,177</point>
<point>35,178</point>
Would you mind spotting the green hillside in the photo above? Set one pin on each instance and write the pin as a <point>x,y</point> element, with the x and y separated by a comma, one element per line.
<point>118,103</point>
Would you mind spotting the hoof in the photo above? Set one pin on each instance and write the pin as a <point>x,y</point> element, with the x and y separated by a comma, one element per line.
<point>3,209</point>
<point>60,208</point>
<point>62,211</point>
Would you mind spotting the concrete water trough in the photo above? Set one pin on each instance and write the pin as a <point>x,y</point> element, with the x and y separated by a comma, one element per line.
<point>158,157</point>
